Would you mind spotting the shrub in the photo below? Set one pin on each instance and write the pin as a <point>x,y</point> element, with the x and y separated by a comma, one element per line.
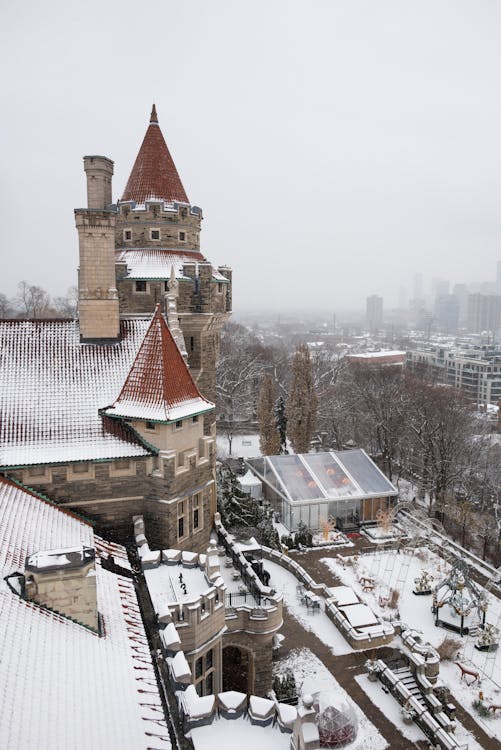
<point>449,648</point>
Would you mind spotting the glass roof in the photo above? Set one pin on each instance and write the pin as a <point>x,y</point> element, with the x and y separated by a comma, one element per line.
<point>330,474</point>
<point>365,472</point>
<point>296,478</point>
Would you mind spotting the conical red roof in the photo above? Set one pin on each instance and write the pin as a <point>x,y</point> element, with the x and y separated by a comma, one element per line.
<point>154,174</point>
<point>159,386</point>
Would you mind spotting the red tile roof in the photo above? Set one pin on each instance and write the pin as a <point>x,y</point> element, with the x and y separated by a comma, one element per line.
<point>154,174</point>
<point>159,386</point>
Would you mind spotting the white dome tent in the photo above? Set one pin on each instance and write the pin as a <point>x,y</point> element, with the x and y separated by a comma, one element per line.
<point>251,484</point>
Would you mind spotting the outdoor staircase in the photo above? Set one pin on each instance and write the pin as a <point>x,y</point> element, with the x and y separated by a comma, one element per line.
<point>407,678</point>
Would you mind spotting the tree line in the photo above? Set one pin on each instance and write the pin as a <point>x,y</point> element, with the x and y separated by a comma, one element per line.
<point>427,438</point>
<point>32,301</point>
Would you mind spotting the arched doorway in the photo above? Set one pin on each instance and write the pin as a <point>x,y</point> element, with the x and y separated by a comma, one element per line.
<point>236,669</point>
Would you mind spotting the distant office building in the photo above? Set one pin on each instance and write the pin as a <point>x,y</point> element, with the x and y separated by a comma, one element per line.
<point>374,312</point>
<point>439,288</point>
<point>498,278</point>
<point>484,313</point>
<point>447,313</point>
<point>417,290</point>
<point>460,291</point>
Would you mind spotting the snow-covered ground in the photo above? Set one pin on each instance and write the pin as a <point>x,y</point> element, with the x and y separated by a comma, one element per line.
<point>389,707</point>
<point>305,666</point>
<point>226,734</point>
<point>242,446</point>
<point>284,582</point>
<point>391,570</point>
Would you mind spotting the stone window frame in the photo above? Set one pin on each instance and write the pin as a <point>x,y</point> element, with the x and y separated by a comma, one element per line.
<point>200,681</point>
<point>155,239</point>
<point>150,426</point>
<point>184,237</point>
<point>125,233</point>
<point>181,515</point>
<point>129,471</point>
<point>197,504</point>
<point>76,475</point>
<point>220,287</point>
<point>146,289</point>
<point>178,425</point>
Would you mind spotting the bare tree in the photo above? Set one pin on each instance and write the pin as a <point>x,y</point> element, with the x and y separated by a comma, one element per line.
<point>66,307</point>
<point>33,301</point>
<point>6,307</point>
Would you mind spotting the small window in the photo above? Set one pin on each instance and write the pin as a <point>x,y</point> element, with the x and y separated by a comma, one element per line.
<point>179,424</point>
<point>150,425</point>
<point>182,236</point>
<point>199,668</point>
<point>195,419</point>
<point>180,528</point>
<point>155,234</point>
<point>208,660</point>
<point>196,521</point>
<point>209,684</point>
<point>192,343</point>
<point>127,234</point>
<point>219,288</point>
<point>166,286</point>
<point>141,286</point>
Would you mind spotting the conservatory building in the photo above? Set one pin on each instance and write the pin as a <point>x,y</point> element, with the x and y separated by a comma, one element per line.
<point>313,488</point>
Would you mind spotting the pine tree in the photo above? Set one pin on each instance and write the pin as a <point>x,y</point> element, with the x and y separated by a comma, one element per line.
<point>281,422</point>
<point>269,437</point>
<point>302,402</point>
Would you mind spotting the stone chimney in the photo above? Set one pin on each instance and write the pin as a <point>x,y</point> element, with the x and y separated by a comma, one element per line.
<point>65,581</point>
<point>98,306</point>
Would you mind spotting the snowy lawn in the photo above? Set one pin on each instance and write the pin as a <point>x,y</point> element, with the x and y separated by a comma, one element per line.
<point>228,734</point>
<point>390,570</point>
<point>389,707</point>
<point>305,666</point>
<point>284,582</point>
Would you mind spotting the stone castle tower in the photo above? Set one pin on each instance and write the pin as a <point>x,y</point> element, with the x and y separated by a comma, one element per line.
<point>152,235</point>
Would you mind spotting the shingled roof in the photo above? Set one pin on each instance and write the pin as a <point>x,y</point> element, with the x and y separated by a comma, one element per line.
<point>51,390</point>
<point>159,386</point>
<point>62,685</point>
<point>154,174</point>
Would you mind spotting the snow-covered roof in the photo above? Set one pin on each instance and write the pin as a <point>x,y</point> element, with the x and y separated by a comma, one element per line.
<point>359,615</point>
<point>249,480</point>
<point>63,686</point>
<point>159,386</point>
<point>51,388</point>
<point>152,264</point>
<point>343,595</point>
<point>334,475</point>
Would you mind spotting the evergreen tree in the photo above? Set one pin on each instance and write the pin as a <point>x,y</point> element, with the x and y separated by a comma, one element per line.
<point>269,437</point>
<point>281,422</point>
<point>302,402</point>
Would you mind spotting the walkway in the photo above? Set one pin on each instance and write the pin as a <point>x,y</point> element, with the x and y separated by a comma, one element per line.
<point>345,668</point>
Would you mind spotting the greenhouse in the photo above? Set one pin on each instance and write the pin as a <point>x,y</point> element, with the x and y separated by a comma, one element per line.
<point>314,487</point>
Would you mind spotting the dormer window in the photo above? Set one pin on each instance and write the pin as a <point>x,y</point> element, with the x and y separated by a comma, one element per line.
<point>127,234</point>
<point>141,286</point>
<point>182,236</point>
<point>179,424</point>
<point>150,426</point>
<point>154,234</point>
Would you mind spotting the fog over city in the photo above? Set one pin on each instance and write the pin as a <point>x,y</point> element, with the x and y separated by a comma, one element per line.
<point>336,148</point>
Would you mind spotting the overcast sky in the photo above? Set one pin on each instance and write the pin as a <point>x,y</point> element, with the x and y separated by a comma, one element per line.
<point>336,147</point>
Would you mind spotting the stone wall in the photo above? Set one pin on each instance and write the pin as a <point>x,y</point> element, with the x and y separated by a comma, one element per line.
<point>170,220</point>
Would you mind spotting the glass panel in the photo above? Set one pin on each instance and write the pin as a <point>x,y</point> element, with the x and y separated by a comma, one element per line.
<point>365,472</point>
<point>296,477</point>
<point>330,474</point>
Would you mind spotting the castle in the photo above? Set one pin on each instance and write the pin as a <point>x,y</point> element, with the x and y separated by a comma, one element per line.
<point>112,416</point>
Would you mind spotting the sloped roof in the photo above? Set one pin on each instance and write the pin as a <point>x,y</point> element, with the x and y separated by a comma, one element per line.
<point>159,386</point>
<point>63,686</point>
<point>155,263</point>
<point>51,388</point>
<point>154,174</point>
<point>333,475</point>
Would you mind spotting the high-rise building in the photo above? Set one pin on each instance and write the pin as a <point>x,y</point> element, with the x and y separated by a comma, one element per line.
<point>374,312</point>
